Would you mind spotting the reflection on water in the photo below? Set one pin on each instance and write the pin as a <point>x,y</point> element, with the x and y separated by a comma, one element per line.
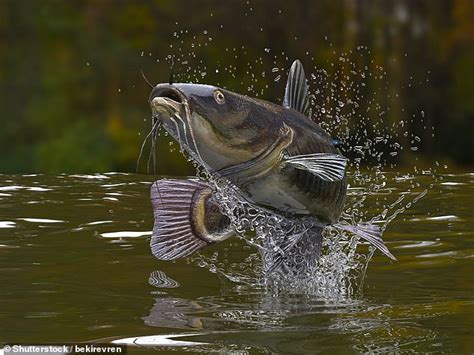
<point>76,266</point>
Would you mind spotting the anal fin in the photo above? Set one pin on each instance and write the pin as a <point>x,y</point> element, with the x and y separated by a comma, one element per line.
<point>370,233</point>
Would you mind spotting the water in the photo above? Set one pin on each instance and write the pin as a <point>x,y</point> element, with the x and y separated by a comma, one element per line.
<point>76,266</point>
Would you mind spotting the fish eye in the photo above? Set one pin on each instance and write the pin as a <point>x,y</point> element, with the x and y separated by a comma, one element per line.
<point>219,97</point>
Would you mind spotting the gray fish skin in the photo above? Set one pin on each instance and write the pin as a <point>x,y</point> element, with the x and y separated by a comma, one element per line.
<point>239,129</point>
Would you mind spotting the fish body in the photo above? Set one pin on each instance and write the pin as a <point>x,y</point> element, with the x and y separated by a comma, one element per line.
<point>285,188</point>
<point>277,158</point>
<point>244,139</point>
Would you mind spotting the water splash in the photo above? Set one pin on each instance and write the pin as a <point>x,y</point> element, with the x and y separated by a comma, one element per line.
<point>339,102</point>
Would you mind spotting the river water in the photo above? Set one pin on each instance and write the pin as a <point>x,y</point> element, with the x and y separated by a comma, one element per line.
<point>76,267</point>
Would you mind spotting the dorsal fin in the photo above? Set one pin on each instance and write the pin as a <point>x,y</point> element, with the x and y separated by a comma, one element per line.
<point>296,91</point>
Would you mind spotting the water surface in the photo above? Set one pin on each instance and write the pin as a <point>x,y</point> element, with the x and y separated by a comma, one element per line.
<point>76,267</point>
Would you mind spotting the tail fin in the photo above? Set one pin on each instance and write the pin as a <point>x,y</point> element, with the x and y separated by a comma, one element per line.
<point>186,218</point>
<point>371,233</point>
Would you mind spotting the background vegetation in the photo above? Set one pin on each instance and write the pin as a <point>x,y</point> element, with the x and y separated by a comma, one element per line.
<point>72,98</point>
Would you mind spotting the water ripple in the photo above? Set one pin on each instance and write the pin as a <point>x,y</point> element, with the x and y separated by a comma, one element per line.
<point>125,234</point>
<point>161,280</point>
<point>159,340</point>
<point>7,224</point>
<point>29,188</point>
<point>420,244</point>
<point>437,218</point>
<point>41,220</point>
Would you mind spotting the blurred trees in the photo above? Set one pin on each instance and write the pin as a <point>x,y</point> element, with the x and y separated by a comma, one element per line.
<point>73,99</point>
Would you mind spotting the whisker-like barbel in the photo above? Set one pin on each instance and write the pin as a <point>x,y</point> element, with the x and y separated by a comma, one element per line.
<point>155,125</point>
<point>152,154</point>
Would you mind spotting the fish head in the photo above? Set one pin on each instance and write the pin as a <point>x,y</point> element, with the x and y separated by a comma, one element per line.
<point>217,127</point>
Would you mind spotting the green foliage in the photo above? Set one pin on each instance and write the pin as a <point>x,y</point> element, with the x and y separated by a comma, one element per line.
<point>79,148</point>
<point>73,99</point>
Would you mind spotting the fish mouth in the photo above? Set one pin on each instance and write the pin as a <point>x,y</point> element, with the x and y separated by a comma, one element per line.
<point>170,109</point>
<point>166,100</point>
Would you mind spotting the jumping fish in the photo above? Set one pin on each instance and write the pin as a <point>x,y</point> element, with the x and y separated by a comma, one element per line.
<point>277,157</point>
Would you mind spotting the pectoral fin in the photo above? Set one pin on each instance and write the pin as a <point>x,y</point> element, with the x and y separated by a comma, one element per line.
<point>186,218</point>
<point>371,233</point>
<point>326,166</point>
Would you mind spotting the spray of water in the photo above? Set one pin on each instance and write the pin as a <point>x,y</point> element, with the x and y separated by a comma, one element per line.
<point>339,102</point>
